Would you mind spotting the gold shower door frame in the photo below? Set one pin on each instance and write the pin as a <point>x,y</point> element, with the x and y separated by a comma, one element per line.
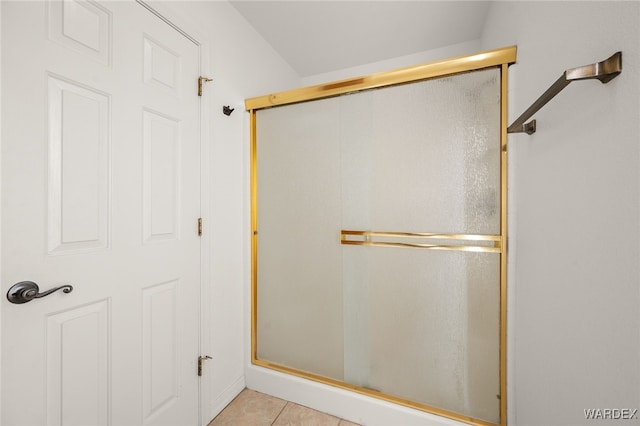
<point>498,58</point>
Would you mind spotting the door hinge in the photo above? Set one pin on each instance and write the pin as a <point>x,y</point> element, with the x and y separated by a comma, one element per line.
<point>199,226</point>
<point>200,81</point>
<point>200,359</point>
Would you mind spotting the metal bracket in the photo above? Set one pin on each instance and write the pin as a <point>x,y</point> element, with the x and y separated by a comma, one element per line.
<point>604,71</point>
<point>528,128</point>
<point>200,81</point>
<point>200,359</point>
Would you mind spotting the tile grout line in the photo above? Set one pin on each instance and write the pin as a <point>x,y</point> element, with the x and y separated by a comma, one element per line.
<point>280,413</point>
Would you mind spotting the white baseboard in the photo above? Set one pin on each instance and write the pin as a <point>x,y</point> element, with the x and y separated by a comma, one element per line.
<point>338,402</point>
<point>228,395</point>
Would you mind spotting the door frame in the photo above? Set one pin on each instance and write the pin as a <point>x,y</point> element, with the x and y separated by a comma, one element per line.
<point>185,25</point>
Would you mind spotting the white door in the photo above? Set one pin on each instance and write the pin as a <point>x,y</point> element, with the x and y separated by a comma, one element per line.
<point>101,191</point>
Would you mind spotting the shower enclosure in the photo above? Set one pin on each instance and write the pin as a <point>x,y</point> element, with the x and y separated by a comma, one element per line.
<point>379,230</point>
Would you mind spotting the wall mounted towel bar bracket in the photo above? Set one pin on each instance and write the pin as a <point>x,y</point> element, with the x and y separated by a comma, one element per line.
<point>604,71</point>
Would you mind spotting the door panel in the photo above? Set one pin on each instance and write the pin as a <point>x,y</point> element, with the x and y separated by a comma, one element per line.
<point>159,348</point>
<point>78,148</point>
<point>161,154</point>
<point>78,365</point>
<point>101,190</point>
<point>82,26</point>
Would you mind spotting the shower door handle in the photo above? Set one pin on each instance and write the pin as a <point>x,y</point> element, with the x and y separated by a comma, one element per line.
<point>26,291</point>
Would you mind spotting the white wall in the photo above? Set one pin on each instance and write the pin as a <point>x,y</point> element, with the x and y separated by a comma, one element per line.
<point>574,326</point>
<point>242,65</point>
<point>424,57</point>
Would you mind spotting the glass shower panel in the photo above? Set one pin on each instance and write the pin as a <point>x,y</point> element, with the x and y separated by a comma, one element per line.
<point>429,156</point>
<point>299,258</point>
<point>419,325</point>
<point>423,325</point>
<point>437,312</point>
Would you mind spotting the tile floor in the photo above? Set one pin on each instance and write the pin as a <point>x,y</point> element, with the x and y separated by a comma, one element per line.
<point>252,408</point>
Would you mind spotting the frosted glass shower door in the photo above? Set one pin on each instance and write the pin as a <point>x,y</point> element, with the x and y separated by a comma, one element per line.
<point>421,324</point>
<point>378,242</point>
<point>299,264</point>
